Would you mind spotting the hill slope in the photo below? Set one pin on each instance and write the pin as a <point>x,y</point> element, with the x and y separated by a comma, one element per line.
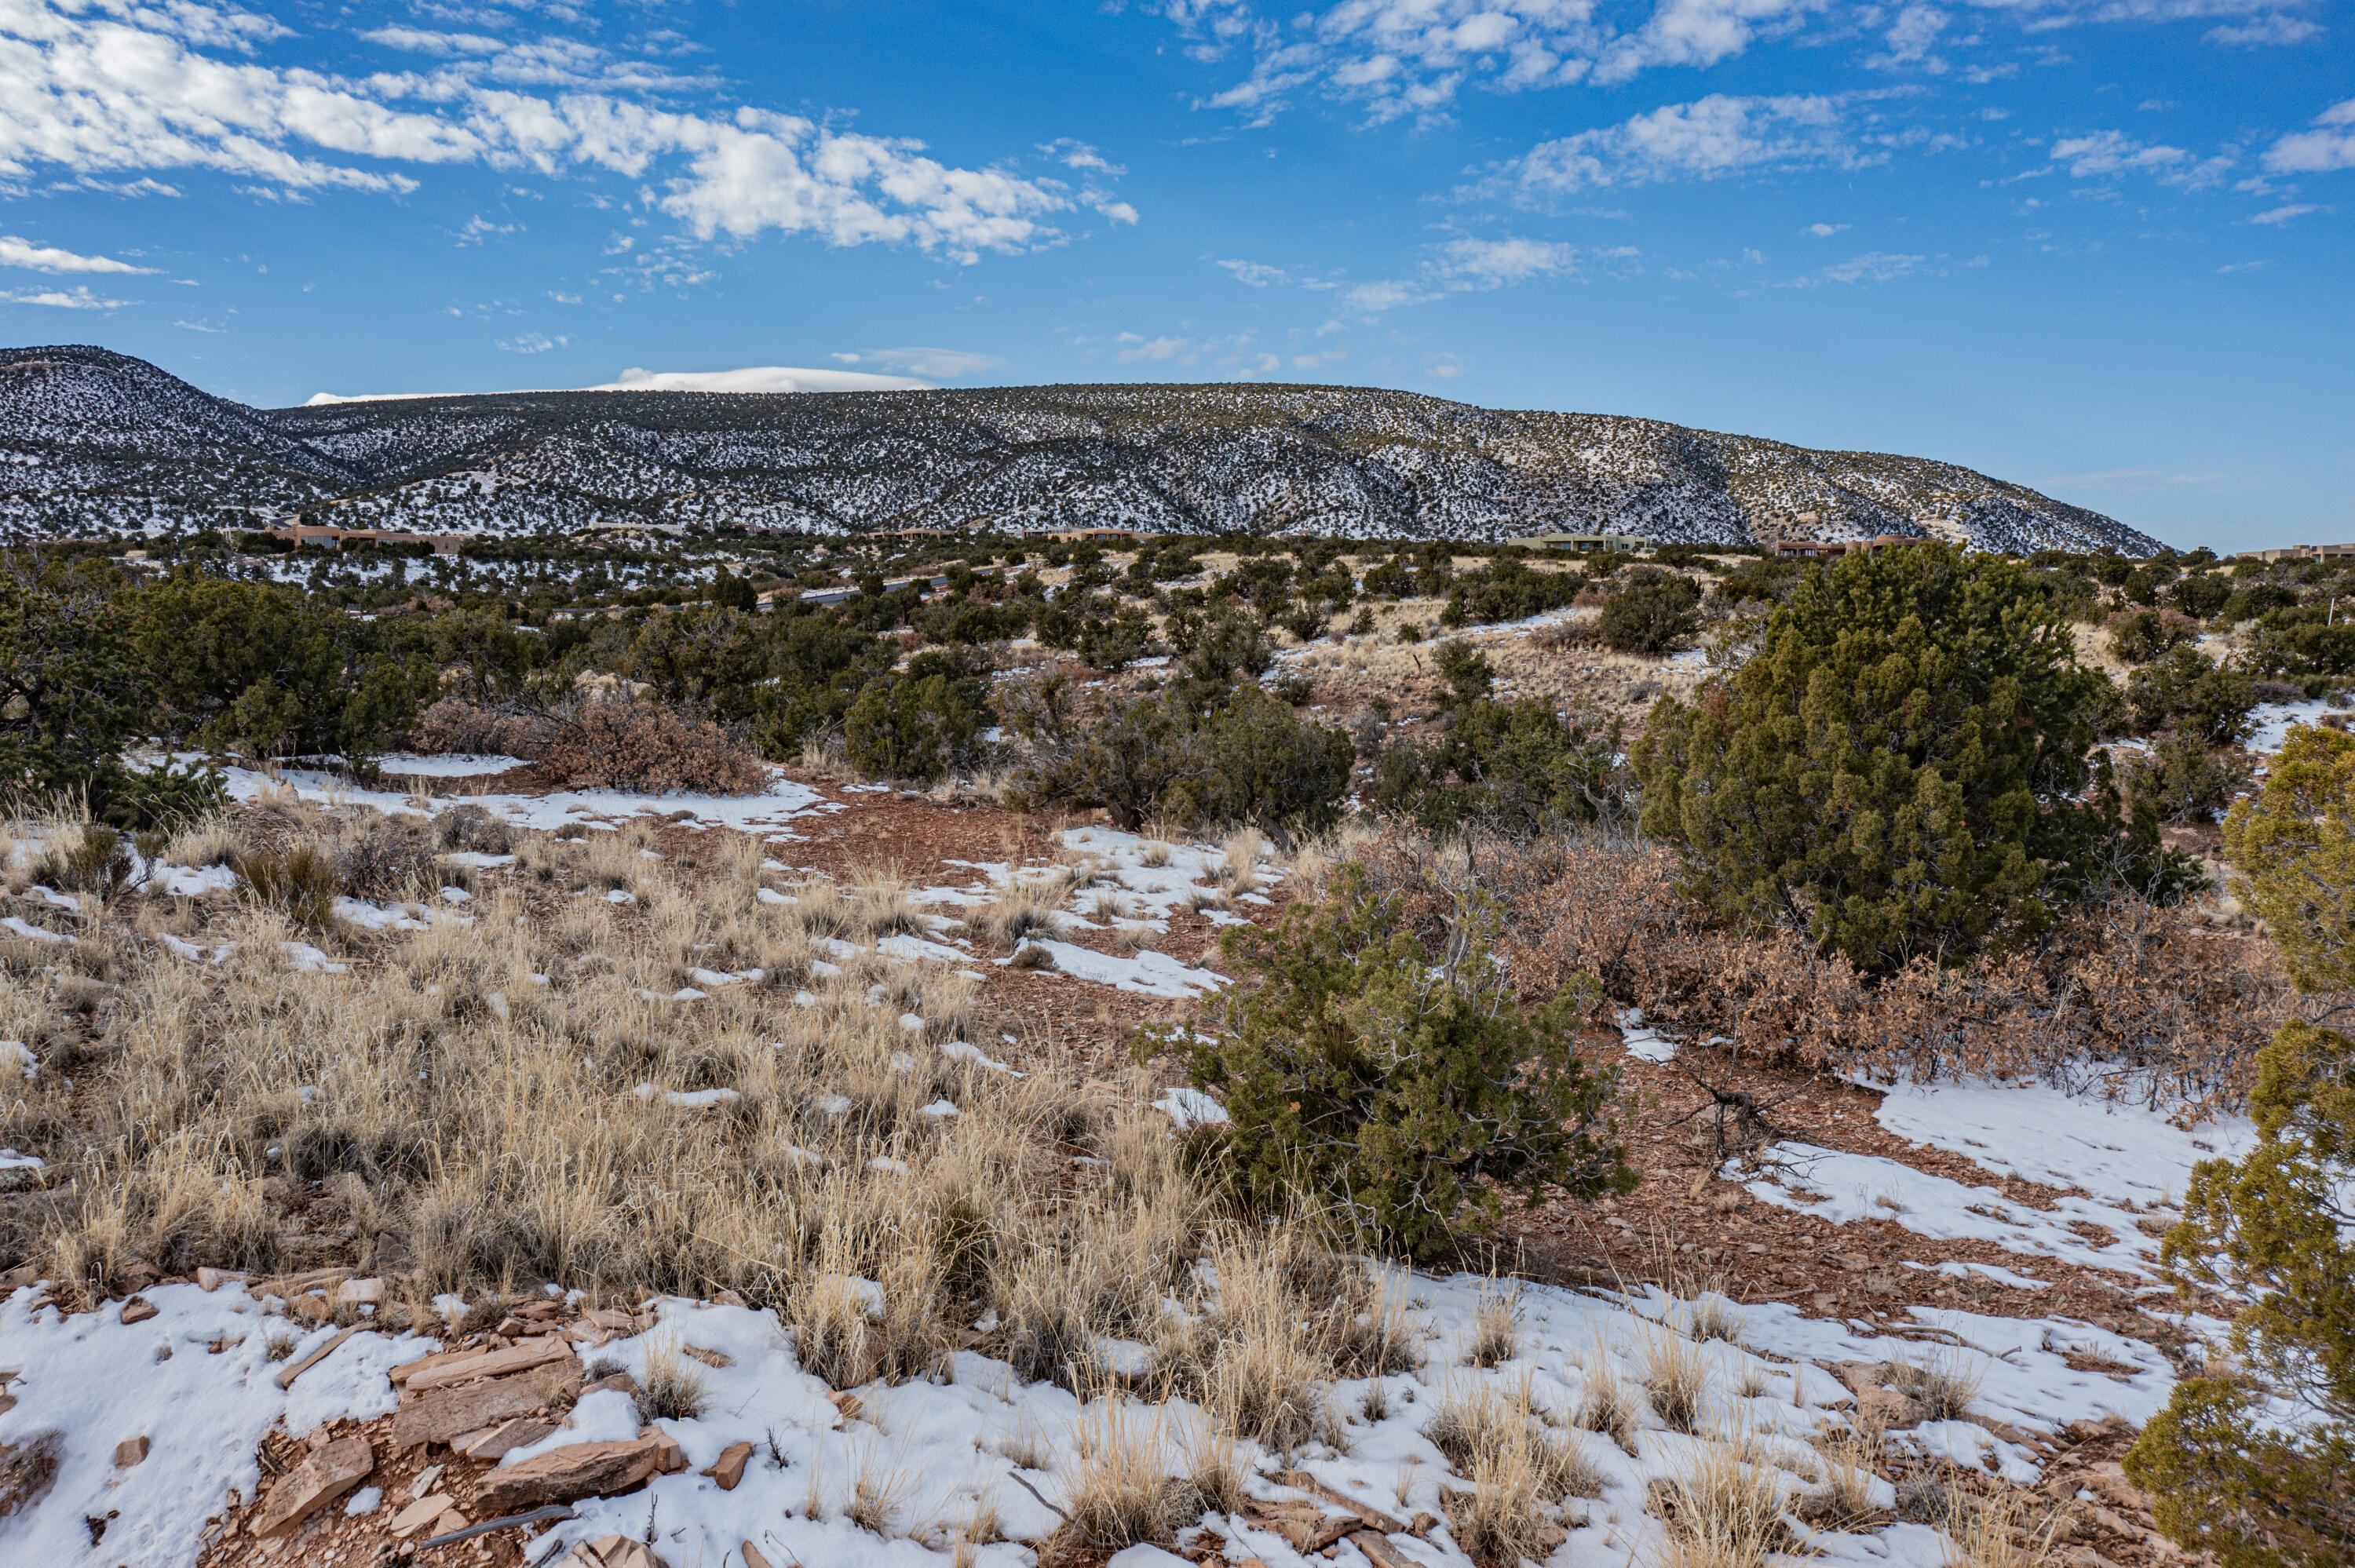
<point>92,442</point>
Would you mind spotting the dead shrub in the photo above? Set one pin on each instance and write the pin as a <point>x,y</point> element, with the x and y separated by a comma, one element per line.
<point>455,725</point>
<point>645,746</point>
<point>2122,998</point>
<point>388,858</point>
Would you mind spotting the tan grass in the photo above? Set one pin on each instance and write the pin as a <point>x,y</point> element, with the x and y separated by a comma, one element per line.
<point>1676,1378</point>
<point>1719,1510</point>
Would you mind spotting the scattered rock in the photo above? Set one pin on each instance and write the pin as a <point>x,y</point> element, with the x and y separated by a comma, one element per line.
<point>612,1551</point>
<point>211,1279</point>
<point>360,1293</point>
<point>319,1481</point>
<point>446,1413</point>
<point>537,1352</point>
<point>138,1309</point>
<point>730,1469</point>
<point>130,1451</point>
<point>577,1471</point>
<point>621,1381</point>
<point>414,1518</point>
<point>670,1459</point>
<point>496,1443</point>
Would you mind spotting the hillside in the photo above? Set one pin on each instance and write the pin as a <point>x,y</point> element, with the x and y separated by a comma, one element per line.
<point>92,442</point>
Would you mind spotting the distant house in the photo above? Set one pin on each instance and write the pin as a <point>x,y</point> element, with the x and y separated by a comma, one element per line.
<point>334,538</point>
<point>2301,553</point>
<point>1832,550</point>
<point>1096,536</point>
<point>1587,543</point>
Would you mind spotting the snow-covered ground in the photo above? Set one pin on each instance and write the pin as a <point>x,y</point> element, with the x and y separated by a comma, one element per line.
<point>770,814</point>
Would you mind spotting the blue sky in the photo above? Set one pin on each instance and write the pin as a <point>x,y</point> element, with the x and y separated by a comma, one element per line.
<point>2101,247</point>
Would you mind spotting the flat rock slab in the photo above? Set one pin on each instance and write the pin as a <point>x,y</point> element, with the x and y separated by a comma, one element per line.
<point>577,1471</point>
<point>449,1413</point>
<point>490,1363</point>
<point>319,1481</point>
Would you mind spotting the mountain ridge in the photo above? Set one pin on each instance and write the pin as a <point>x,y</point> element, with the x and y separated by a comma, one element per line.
<point>94,442</point>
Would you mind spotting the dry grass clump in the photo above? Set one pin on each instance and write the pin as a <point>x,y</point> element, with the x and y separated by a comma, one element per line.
<point>1520,1469</point>
<point>1025,907</point>
<point>1608,1407</point>
<point>1116,1490</point>
<point>628,744</point>
<point>1852,1460</point>
<point>300,883</point>
<point>1496,1327</point>
<point>1711,1315</point>
<point>1998,1532</point>
<point>673,1388</point>
<point>1676,1380</point>
<point>83,857</point>
<point>1719,1510</point>
<point>1942,1383</point>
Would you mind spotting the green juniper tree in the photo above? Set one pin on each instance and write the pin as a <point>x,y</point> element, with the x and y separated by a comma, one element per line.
<point>1905,767</point>
<point>2264,1478</point>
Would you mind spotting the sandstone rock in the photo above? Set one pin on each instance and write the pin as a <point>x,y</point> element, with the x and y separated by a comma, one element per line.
<point>492,1363</point>
<point>130,1451</point>
<point>495,1443</point>
<point>444,1414</point>
<point>138,1309</point>
<point>413,1520</point>
<point>319,1481</point>
<point>619,1381</point>
<point>563,1475</point>
<point>612,1551</point>
<point>360,1293</point>
<point>730,1469</point>
<point>752,1558</point>
<point>669,1457</point>
<point>210,1279</point>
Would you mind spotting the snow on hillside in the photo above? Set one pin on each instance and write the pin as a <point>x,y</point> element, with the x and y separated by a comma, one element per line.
<point>91,441</point>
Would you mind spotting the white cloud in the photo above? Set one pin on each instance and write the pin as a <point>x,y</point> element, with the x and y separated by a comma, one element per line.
<point>15,252</point>
<point>1446,366</point>
<point>2316,152</point>
<point>948,363</point>
<point>1826,230</point>
<point>1695,33</point>
<point>1386,295</point>
<point>763,378</point>
<point>80,299</point>
<point>1873,267</point>
<point>1257,274</point>
<point>416,40</point>
<point>1134,349</point>
<point>97,90</point>
<point>531,342</point>
<point>2285,214</point>
<point>2263,31</point>
<point>2108,153</point>
<point>1074,154</point>
<point>1713,136</point>
<point>1488,263</point>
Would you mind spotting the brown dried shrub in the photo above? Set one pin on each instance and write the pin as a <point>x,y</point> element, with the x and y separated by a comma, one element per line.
<point>632,745</point>
<point>2123,998</point>
<point>454,724</point>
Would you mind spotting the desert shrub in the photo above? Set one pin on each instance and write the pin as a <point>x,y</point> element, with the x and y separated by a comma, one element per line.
<point>89,858</point>
<point>1507,590</point>
<point>2138,636</point>
<point>1654,612</point>
<point>2201,595</point>
<point>1114,642</point>
<point>1515,768</point>
<point>2182,781</point>
<point>1202,756</point>
<point>166,796</point>
<point>301,883</point>
<point>2123,998</point>
<point>388,858</point>
<point>2185,689</point>
<point>473,828</point>
<point>918,725</point>
<point>1467,672</point>
<point>1902,770</point>
<point>1398,1084</point>
<point>70,691</point>
<point>631,744</point>
<point>817,666</point>
<point>2227,1473</point>
<point>456,726</point>
<point>2302,640</point>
